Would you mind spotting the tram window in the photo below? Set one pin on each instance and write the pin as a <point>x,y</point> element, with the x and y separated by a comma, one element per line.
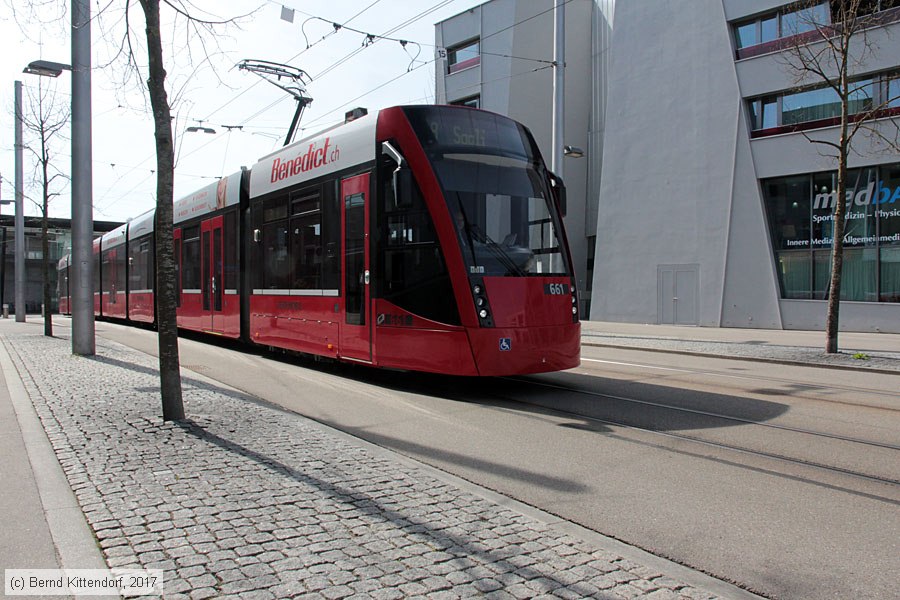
<point>231,242</point>
<point>190,258</point>
<point>108,271</point>
<point>306,251</point>
<point>276,256</point>
<point>140,264</point>
<point>354,238</point>
<point>121,270</point>
<point>96,272</point>
<point>331,237</point>
<point>415,275</point>
<point>275,209</point>
<point>306,240</point>
<point>178,272</point>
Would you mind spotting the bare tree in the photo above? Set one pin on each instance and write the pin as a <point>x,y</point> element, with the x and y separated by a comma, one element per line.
<point>47,118</point>
<point>166,288</point>
<point>200,44</point>
<point>830,45</point>
<point>167,326</point>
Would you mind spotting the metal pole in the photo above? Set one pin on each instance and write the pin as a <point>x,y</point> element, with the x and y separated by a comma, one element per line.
<point>559,82</point>
<point>21,280</point>
<point>82,282</point>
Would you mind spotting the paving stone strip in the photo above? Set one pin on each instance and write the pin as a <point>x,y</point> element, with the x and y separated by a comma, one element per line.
<point>242,500</point>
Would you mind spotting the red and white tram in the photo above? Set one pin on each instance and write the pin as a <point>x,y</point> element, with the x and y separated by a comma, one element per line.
<point>426,238</point>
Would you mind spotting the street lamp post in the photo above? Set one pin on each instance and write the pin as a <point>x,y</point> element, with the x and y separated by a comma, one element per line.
<point>83,339</point>
<point>21,280</point>
<point>82,280</point>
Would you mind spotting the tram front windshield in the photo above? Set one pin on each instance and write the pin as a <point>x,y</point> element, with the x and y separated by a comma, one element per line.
<point>491,178</point>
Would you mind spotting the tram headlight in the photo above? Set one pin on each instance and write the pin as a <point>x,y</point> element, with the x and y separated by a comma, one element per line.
<point>479,301</point>
<point>477,289</point>
<point>574,310</point>
<point>483,313</point>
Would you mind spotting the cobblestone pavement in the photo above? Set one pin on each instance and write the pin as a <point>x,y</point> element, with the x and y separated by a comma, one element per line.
<point>244,500</point>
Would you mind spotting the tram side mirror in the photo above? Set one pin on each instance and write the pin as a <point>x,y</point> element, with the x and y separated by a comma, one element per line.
<point>401,178</point>
<point>256,235</point>
<point>559,193</point>
<point>403,186</point>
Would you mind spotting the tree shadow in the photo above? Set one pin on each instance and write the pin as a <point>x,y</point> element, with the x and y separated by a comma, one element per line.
<point>440,538</point>
<point>636,404</point>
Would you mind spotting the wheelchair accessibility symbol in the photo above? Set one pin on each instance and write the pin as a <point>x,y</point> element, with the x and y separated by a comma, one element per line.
<point>505,344</point>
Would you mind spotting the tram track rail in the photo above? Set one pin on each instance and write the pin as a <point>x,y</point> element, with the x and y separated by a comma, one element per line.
<point>719,444</point>
<point>774,380</point>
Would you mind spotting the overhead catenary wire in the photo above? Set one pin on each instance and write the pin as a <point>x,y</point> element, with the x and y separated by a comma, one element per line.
<point>387,35</point>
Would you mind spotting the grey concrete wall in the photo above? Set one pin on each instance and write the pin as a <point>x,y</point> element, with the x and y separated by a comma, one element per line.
<point>669,159</point>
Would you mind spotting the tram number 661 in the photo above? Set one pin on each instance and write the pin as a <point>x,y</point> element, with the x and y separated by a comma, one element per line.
<point>555,289</point>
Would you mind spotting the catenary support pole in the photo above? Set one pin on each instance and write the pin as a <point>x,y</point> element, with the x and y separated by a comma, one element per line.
<point>82,282</point>
<point>21,280</point>
<point>559,82</point>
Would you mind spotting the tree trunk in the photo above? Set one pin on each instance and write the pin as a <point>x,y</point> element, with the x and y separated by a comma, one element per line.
<point>169,369</point>
<point>45,244</point>
<point>832,322</point>
<point>45,269</point>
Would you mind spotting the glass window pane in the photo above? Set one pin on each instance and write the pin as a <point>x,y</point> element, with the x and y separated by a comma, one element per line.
<point>769,113</point>
<point>858,279</point>
<point>276,258</point>
<point>794,274</point>
<point>893,92</point>
<point>810,105</point>
<point>745,35</point>
<point>888,206</point>
<point>859,229</point>
<point>463,56</point>
<point>824,198</point>
<point>769,29</point>
<point>890,274</point>
<point>861,94</point>
<point>821,274</point>
<point>805,19</point>
<point>788,207</point>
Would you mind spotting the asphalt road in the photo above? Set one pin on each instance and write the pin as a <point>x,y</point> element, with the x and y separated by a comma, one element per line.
<point>674,454</point>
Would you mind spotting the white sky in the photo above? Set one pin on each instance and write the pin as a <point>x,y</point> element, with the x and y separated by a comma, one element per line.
<point>213,90</point>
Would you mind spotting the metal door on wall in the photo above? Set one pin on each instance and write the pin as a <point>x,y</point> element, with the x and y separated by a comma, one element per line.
<point>211,252</point>
<point>356,330</point>
<point>678,294</point>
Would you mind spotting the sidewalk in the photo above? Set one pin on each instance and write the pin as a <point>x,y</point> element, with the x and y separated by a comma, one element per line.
<point>244,500</point>
<point>858,351</point>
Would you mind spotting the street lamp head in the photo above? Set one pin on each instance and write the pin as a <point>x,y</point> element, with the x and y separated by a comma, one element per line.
<point>573,151</point>
<point>46,68</point>
<point>194,128</point>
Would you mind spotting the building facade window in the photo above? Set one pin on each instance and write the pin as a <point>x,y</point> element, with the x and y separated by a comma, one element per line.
<point>798,23</point>
<point>878,95</point>
<point>470,101</point>
<point>800,211</point>
<point>462,56</point>
<point>787,22</point>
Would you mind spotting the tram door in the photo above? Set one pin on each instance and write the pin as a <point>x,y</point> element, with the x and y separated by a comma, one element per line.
<point>211,252</point>
<point>356,330</point>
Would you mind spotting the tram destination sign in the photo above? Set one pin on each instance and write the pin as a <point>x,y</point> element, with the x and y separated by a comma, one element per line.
<point>468,130</point>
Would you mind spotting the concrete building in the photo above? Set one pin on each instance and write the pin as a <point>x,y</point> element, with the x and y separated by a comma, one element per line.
<point>498,56</point>
<point>714,206</point>
<point>701,200</point>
